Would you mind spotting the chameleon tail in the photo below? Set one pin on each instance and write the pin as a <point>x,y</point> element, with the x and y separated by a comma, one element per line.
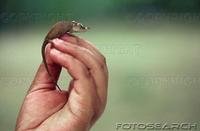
<point>46,65</point>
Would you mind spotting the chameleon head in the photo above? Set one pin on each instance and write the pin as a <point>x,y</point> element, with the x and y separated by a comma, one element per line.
<point>78,27</point>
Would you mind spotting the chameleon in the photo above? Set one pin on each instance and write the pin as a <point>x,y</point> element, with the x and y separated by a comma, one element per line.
<point>57,30</point>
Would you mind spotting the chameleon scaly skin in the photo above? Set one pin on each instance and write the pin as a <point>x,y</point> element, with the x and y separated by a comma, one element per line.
<point>59,29</point>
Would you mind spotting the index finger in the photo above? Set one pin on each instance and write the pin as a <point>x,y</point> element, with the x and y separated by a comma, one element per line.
<point>86,44</point>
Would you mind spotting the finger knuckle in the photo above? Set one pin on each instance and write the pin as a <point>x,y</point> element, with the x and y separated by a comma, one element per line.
<point>87,74</point>
<point>103,59</point>
<point>101,67</point>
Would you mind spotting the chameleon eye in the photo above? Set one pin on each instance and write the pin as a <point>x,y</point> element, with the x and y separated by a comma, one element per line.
<point>74,22</point>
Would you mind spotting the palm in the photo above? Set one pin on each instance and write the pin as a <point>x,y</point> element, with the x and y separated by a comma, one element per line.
<point>45,107</point>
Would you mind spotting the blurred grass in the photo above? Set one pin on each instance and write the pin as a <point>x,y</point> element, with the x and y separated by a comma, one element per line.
<point>154,71</point>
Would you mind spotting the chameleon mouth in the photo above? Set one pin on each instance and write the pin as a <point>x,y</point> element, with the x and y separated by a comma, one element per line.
<point>87,28</point>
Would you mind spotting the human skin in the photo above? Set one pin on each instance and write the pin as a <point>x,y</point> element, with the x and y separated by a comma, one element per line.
<point>79,106</point>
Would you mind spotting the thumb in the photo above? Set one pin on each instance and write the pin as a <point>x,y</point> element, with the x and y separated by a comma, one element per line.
<point>42,79</point>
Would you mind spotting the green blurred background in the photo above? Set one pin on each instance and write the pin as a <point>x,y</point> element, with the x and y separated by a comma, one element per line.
<point>151,46</point>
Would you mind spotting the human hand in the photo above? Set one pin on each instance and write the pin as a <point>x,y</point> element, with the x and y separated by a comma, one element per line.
<point>47,109</point>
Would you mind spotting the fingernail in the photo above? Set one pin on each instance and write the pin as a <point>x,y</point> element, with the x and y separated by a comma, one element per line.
<point>58,41</point>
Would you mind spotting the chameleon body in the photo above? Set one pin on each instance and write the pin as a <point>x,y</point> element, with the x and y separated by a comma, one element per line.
<point>59,29</point>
